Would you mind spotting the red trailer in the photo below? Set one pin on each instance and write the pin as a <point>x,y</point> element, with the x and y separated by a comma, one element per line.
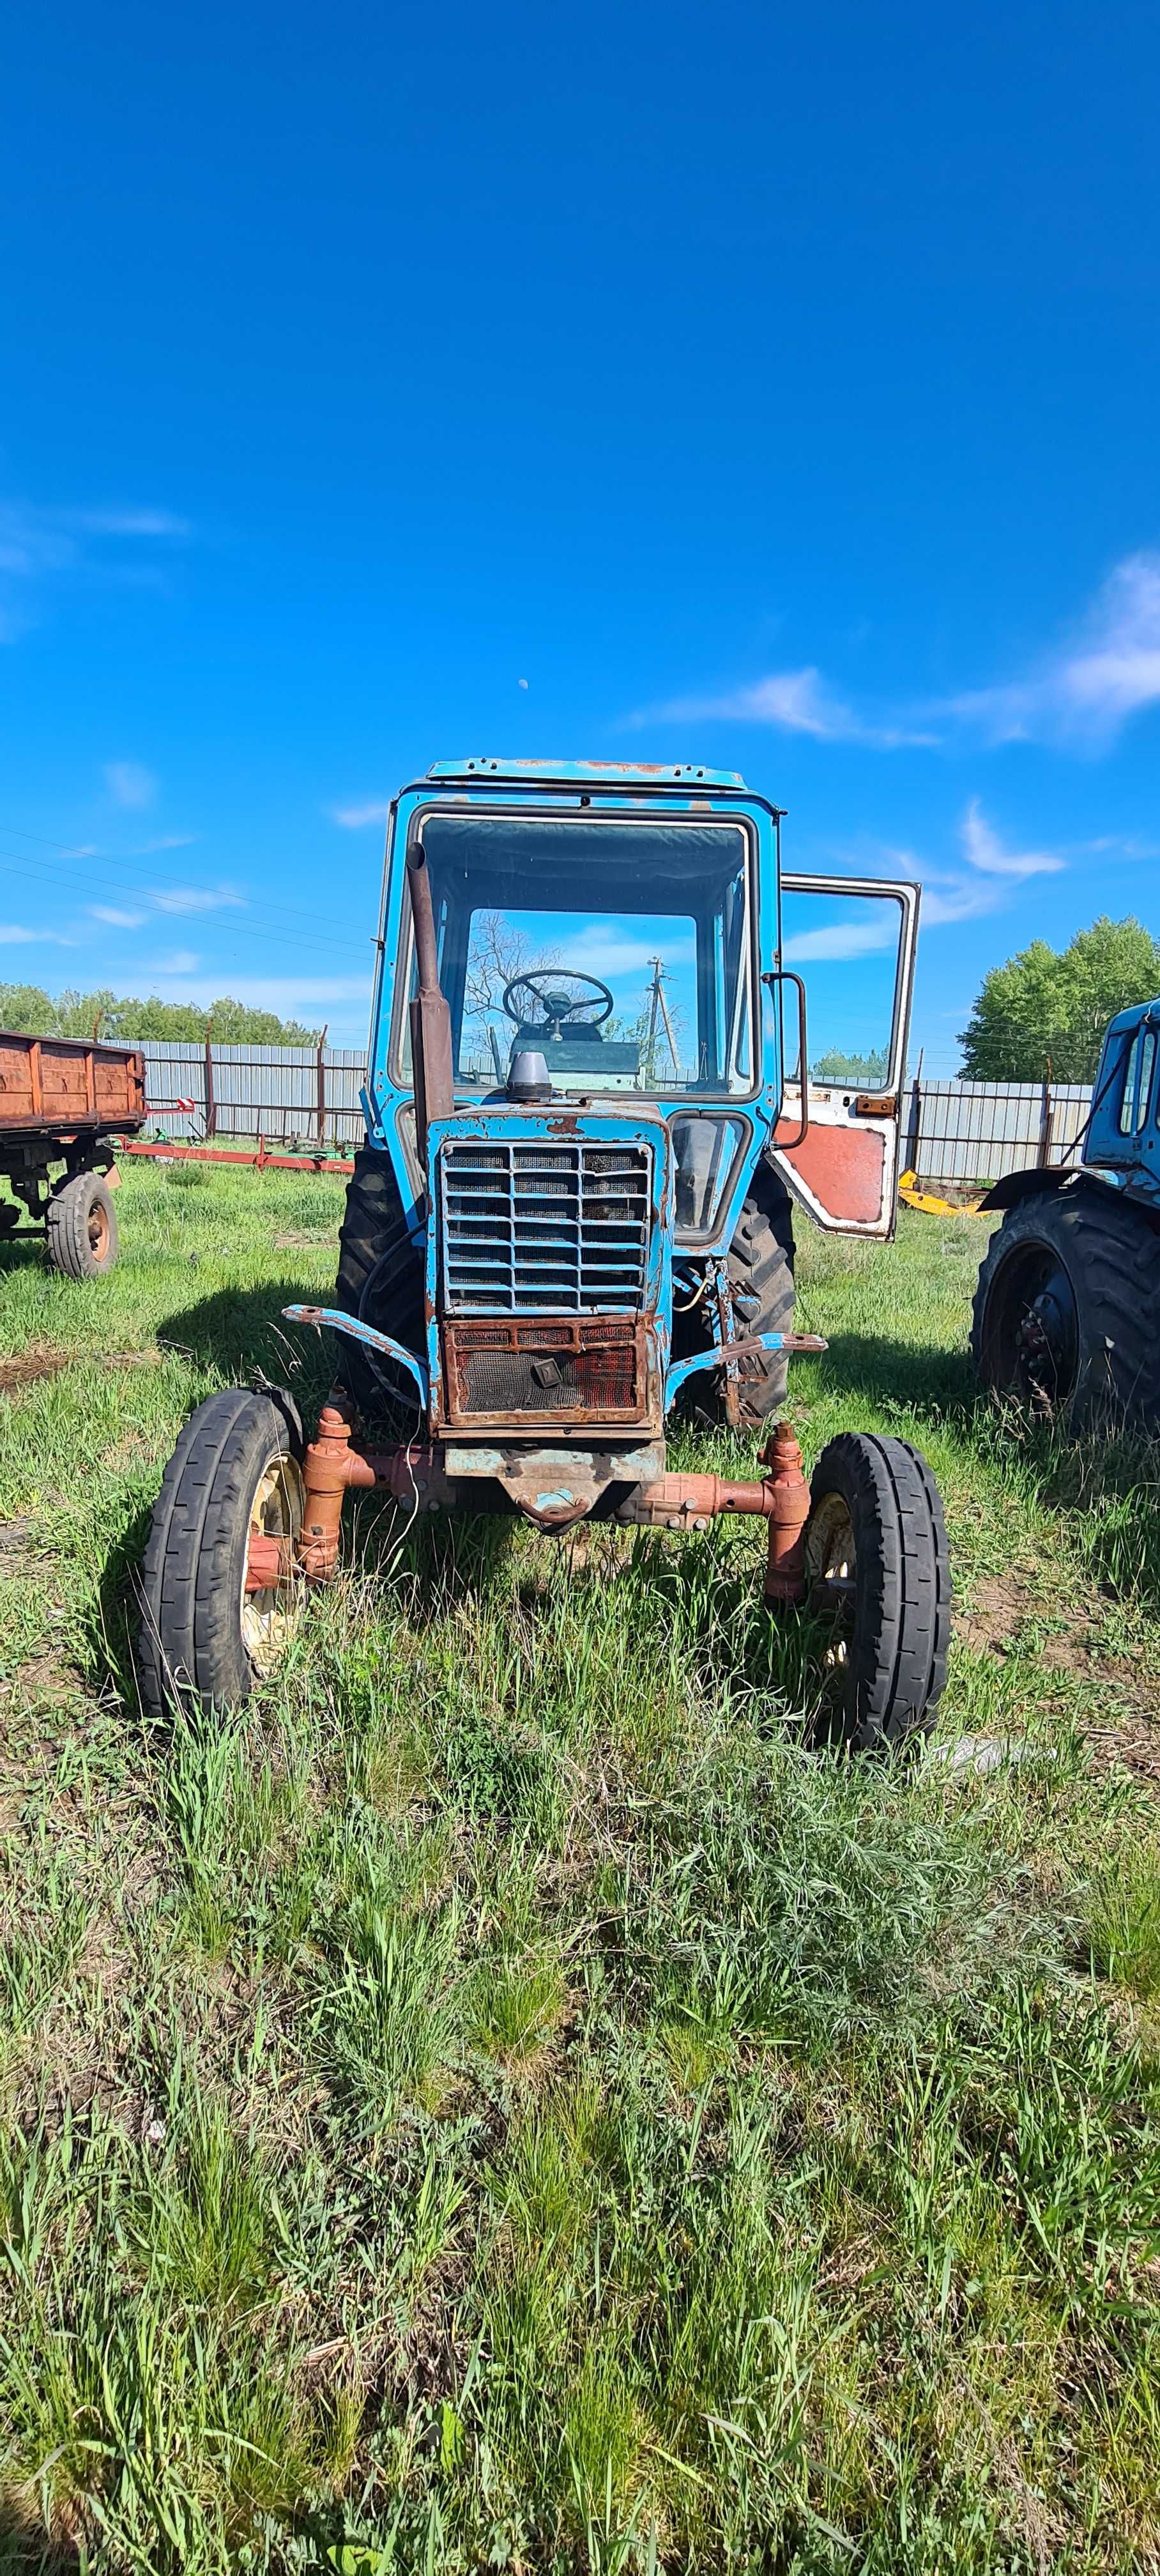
<point>61,1104</point>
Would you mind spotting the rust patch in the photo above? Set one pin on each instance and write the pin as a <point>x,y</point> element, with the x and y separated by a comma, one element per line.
<point>843,1167</point>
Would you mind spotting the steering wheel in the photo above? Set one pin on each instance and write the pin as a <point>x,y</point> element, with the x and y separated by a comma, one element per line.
<point>552,1010</point>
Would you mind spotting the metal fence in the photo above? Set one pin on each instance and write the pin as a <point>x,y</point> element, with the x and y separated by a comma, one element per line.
<point>196,1092</point>
<point>969,1132</point>
<point>961,1132</point>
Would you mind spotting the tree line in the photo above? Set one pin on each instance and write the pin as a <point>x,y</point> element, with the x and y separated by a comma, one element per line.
<point>126,1019</point>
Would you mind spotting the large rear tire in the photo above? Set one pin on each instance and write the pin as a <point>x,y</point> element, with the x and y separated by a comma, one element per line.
<point>760,1268</point>
<point>80,1228</point>
<point>204,1640</point>
<point>380,1279</point>
<point>876,1560</point>
<point>1067,1310</point>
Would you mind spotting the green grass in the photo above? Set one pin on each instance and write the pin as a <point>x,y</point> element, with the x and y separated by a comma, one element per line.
<point>502,2101</point>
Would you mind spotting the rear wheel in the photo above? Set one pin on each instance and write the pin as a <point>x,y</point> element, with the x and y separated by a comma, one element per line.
<point>1066,1311</point>
<point>380,1279</point>
<point>80,1228</point>
<point>761,1278</point>
<point>876,1561</point>
<point>206,1637</point>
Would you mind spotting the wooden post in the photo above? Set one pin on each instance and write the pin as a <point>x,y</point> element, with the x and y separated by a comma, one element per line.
<point>322,1088</point>
<point>210,1102</point>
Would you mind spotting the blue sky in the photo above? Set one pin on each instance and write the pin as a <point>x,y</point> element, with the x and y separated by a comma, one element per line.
<point>776,388</point>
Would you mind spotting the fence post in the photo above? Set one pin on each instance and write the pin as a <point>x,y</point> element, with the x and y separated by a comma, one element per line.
<point>210,1103</point>
<point>914,1123</point>
<point>1047,1121</point>
<point>322,1087</point>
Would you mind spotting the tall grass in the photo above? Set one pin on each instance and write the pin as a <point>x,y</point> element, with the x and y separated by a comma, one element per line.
<point>504,2100</point>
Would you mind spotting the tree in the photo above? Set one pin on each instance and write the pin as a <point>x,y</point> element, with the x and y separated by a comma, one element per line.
<point>73,1014</point>
<point>26,1008</point>
<point>868,1071</point>
<point>1052,1006</point>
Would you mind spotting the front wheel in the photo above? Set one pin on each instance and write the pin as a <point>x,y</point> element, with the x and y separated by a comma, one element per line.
<point>207,1635</point>
<point>876,1561</point>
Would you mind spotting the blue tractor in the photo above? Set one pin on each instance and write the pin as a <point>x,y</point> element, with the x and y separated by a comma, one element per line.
<point>588,1132</point>
<point>1064,1317</point>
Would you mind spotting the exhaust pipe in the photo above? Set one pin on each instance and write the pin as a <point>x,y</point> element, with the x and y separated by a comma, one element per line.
<point>430,1017</point>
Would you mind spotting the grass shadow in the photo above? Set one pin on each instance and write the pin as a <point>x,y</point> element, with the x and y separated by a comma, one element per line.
<point>237,1331</point>
<point>923,1376</point>
<point>26,2546</point>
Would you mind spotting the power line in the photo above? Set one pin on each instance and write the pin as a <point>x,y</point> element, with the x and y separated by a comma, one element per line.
<point>16,863</point>
<point>137,882</point>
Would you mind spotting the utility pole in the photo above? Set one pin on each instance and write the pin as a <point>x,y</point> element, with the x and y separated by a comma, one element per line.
<point>658,1004</point>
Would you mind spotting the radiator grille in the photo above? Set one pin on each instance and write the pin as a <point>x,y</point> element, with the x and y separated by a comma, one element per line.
<point>505,1370</point>
<point>562,1226</point>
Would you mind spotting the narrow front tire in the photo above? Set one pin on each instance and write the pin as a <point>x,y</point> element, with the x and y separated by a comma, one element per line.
<point>877,1564</point>
<point>206,1639</point>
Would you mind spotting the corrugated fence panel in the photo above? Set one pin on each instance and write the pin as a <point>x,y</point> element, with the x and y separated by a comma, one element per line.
<point>256,1091</point>
<point>964,1132</point>
<point>974,1132</point>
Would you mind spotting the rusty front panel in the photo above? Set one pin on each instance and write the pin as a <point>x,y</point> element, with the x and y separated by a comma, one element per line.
<point>62,1084</point>
<point>842,1167</point>
<point>509,1371</point>
<point>119,1083</point>
<point>15,1082</point>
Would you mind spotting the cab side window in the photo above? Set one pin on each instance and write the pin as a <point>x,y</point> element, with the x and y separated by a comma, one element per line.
<point>1137,1082</point>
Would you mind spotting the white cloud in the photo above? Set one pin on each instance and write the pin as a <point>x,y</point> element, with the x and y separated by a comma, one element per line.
<point>165,841</point>
<point>184,961</point>
<point>129,784</point>
<point>796,701</point>
<point>126,523</point>
<point>1083,694</point>
<point>16,934</point>
<point>118,920</point>
<point>992,874</point>
<point>983,849</point>
<point>606,952</point>
<point>354,817</point>
<point>844,939</point>
<point>186,899</point>
<point>39,546</point>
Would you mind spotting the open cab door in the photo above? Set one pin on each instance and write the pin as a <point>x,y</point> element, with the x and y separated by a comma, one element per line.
<point>842,984</point>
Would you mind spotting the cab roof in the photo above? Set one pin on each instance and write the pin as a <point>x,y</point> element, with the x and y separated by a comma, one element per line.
<point>613,773</point>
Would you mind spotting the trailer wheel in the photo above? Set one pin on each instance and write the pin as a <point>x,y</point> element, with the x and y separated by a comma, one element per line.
<point>876,1560</point>
<point>80,1228</point>
<point>205,1638</point>
<point>1065,1315</point>
<point>380,1279</point>
<point>761,1278</point>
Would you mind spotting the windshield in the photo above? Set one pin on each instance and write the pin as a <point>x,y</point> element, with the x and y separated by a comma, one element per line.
<point>622,951</point>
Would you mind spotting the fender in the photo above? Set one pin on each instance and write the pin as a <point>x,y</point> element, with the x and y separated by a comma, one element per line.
<point>1037,1183</point>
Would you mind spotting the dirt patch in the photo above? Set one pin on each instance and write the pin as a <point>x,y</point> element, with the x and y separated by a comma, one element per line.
<point>27,1366</point>
<point>1124,1729</point>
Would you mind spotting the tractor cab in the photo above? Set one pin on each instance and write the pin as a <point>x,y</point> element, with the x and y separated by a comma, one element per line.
<point>1122,1140</point>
